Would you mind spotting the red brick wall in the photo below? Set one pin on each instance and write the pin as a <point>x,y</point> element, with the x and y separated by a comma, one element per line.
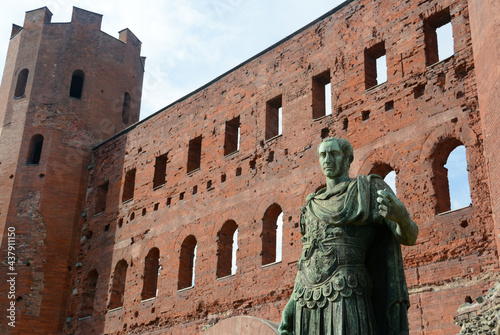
<point>43,202</point>
<point>485,29</point>
<point>456,253</point>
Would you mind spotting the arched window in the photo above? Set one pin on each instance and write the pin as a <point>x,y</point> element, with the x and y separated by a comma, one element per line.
<point>151,267</point>
<point>272,228</point>
<point>187,263</point>
<point>118,286</point>
<point>451,180</point>
<point>35,149</point>
<point>458,178</point>
<point>22,80</point>
<point>89,288</point>
<point>226,251</point>
<point>387,172</point>
<point>76,87</point>
<point>126,108</point>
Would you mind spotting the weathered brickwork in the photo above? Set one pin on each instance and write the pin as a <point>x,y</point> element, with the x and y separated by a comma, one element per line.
<point>139,231</point>
<point>410,122</point>
<point>46,138</point>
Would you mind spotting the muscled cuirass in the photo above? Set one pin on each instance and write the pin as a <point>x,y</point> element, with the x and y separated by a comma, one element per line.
<point>332,263</point>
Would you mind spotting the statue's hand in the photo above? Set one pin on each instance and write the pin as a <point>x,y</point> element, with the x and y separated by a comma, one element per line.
<point>391,207</point>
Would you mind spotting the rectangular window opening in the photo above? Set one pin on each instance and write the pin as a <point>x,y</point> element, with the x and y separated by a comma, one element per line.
<point>322,95</point>
<point>389,105</point>
<point>274,117</point>
<point>232,136</point>
<point>194,154</point>
<point>438,32</point>
<point>160,171</point>
<point>375,65</point>
<point>102,193</point>
<point>128,186</point>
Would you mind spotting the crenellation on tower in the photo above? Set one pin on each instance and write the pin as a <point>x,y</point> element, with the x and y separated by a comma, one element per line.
<point>15,29</point>
<point>128,37</point>
<point>37,17</point>
<point>88,20</point>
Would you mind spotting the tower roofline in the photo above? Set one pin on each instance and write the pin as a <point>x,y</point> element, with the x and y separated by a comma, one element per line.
<point>37,9</point>
<point>42,16</point>
<point>85,10</point>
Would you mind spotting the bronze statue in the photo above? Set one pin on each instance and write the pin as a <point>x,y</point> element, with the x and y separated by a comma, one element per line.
<point>350,278</point>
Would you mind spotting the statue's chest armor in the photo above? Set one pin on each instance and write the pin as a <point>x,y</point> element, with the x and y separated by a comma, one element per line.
<point>327,247</point>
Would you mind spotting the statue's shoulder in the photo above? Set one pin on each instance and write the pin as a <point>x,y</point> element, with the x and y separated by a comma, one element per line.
<point>310,197</point>
<point>376,182</point>
<point>373,179</point>
<point>314,194</point>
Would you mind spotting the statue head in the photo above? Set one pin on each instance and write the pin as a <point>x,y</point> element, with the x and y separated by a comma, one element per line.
<point>335,157</point>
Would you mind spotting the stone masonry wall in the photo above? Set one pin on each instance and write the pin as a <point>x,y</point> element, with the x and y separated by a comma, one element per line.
<point>482,316</point>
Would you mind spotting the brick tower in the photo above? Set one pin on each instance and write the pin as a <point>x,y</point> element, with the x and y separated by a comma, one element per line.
<point>66,87</point>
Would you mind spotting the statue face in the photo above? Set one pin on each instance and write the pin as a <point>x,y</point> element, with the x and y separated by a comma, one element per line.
<point>331,159</point>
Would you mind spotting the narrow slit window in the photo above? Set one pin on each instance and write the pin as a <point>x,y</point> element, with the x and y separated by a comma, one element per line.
<point>88,296</point>
<point>102,193</point>
<point>272,226</point>
<point>194,154</point>
<point>438,35</point>
<point>322,95</point>
<point>118,285</point>
<point>76,87</point>
<point>151,268</point>
<point>226,250</point>
<point>375,65</point>
<point>232,136</point>
<point>187,263</point>
<point>129,186</point>
<point>126,108</point>
<point>274,117</point>
<point>22,80</point>
<point>159,178</point>
<point>35,150</point>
